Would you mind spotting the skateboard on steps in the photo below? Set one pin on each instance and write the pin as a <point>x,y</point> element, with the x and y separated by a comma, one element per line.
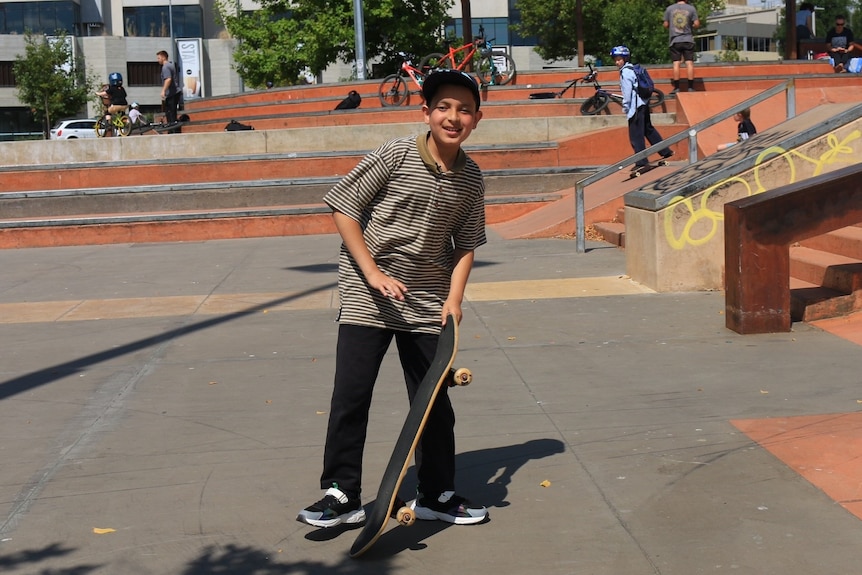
<point>388,504</point>
<point>640,170</point>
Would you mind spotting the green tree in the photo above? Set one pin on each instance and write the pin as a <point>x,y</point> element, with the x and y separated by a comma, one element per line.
<point>607,23</point>
<point>285,38</point>
<point>47,79</point>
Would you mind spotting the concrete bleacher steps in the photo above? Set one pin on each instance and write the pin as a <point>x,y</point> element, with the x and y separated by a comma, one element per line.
<point>826,275</point>
<point>313,105</point>
<point>206,184</point>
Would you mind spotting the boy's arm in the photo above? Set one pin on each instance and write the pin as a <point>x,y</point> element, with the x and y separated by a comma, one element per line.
<point>457,284</point>
<point>351,235</point>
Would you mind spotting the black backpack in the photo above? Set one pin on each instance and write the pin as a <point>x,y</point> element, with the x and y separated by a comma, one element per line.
<point>351,102</point>
<point>645,83</point>
<point>234,126</point>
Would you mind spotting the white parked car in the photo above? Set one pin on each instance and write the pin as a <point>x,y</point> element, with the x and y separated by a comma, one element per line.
<point>71,129</point>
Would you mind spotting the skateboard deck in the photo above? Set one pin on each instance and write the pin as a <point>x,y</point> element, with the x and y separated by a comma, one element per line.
<point>636,173</point>
<point>440,373</point>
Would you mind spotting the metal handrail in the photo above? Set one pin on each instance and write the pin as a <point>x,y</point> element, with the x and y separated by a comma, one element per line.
<point>691,133</point>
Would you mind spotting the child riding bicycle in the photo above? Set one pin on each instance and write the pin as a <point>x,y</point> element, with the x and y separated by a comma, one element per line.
<point>114,96</point>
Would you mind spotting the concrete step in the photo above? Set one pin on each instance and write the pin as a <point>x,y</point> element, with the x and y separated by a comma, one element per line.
<point>208,223</point>
<point>506,186</point>
<point>824,284</point>
<point>816,303</point>
<point>845,241</point>
<point>612,232</point>
<point>826,269</point>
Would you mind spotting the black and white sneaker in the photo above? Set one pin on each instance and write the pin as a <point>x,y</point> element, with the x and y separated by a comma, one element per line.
<point>334,509</point>
<point>448,507</point>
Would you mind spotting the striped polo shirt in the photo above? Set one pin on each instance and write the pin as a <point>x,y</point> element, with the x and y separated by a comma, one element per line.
<point>413,216</point>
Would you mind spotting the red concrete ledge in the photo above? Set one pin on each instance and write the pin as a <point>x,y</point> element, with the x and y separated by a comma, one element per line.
<point>189,230</point>
<point>758,231</point>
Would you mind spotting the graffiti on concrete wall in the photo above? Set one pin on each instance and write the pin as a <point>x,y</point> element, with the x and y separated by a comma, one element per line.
<point>695,221</point>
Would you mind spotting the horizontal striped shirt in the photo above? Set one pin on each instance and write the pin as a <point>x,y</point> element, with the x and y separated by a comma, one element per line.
<point>413,218</point>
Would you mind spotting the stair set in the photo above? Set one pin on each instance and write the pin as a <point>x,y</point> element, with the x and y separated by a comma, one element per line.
<point>271,185</point>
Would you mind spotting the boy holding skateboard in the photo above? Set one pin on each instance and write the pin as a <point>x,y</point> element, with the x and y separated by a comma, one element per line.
<point>410,216</point>
<point>637,110</point>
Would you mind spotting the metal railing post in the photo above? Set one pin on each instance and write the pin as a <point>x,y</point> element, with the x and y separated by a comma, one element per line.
<point>791,98</point>
<point>580,227</point>
<point>692,146</point>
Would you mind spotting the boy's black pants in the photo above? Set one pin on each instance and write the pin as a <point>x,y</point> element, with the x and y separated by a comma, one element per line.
<point>359,353</point>
<point>640,127</point>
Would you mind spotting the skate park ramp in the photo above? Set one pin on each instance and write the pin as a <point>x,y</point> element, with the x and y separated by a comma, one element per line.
<point>674,225</point>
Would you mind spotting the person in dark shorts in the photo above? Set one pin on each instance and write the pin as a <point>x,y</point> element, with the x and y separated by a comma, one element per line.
<point>681,19</point>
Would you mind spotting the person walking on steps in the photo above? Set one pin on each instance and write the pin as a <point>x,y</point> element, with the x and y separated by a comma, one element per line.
<point>637,110</point>
<point>680,18</point>
<point>410,215</point>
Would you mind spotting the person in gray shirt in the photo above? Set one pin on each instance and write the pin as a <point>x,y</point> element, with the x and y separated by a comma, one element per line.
<point>681,19</point>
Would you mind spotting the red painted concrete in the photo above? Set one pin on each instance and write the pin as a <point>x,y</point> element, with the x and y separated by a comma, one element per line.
<point>848,327</point>
<point>824,449</point>
<point>698,106</point>
<point>204,229</point>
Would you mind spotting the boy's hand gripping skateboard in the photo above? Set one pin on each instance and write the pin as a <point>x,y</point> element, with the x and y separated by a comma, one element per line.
<point>388,503</point>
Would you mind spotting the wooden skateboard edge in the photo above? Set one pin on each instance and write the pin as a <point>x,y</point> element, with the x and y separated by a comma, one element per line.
<point>355,553</point>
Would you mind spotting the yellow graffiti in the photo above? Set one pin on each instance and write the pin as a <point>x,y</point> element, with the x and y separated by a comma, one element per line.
<point>681,208</point>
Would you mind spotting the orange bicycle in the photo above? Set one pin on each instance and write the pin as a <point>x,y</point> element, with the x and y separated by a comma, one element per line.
<point>394,89</point>
<point>493,69</point>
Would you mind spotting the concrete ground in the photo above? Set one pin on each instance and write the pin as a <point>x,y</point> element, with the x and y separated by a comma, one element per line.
<point>163,409</point>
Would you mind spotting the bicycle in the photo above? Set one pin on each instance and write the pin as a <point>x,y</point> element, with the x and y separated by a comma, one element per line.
<point>486,68</point>
<point>394,89</point>
<point>118,124</point>
<point>600,100</point>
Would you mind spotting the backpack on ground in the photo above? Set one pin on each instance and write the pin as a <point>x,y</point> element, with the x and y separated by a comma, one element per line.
<point>234,126</point>
<point>645,84</point>
<point>351,102</point>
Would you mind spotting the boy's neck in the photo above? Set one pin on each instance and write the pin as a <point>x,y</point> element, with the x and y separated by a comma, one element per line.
<point>444,157</point>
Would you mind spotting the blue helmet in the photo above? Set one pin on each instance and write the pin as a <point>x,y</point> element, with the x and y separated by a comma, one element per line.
<point>115,79</point>
<point>622,51</point>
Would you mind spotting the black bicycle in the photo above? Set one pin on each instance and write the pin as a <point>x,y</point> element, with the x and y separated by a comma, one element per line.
<point>600,100</point>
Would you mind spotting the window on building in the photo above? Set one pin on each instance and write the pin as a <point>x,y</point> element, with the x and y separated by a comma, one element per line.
<point>704,43</point>
<point>157,21</point>
<point>144,73</point>
<point>733,43</point>
<point>759,44</point>
<point>40,17</point>
<point>496,29</point>
<point>7,76</point>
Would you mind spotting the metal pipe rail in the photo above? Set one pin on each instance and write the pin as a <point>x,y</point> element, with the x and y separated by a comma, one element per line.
<point>787,85</point>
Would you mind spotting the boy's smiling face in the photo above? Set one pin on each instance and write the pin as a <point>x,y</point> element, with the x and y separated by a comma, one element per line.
<point>451,116</point>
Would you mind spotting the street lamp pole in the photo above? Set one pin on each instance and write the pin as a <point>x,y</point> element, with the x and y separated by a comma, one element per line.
<point>359,28</point>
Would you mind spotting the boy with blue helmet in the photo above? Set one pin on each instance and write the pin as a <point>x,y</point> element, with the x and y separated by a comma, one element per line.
<point>636,109</point>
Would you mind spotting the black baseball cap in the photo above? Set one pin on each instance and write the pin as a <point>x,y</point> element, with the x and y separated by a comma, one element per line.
<point>438,78</point>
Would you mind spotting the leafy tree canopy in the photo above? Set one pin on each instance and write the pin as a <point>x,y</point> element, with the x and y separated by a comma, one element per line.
<point>284,38</point>
<point>607,23</point>
<point>47,79</point>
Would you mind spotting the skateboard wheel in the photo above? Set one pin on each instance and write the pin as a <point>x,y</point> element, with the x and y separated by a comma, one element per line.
<point>462,376</point>
<point>405,516</point>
